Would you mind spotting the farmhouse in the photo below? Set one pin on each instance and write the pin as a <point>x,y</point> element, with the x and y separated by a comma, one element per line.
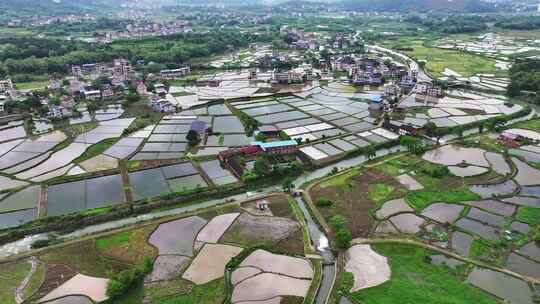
<point>277,147</point>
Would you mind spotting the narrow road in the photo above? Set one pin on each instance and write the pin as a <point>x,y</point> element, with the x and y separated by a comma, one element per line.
<point>19,291</point>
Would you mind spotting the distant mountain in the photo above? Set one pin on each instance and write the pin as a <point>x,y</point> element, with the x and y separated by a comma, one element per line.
<point>48,7</point>
<point>418,6</point>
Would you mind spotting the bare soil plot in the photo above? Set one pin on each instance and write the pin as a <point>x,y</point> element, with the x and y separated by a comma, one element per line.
<point>393,207</point>
<point>407,222</point>
<point>487,191</point>
<point>99,163</point>
<point>461,243</point>
<point>442,212</point>
<point>210,262</point>
<point>94,288</point>
<point>242,273</point>
<point>269,285</point>
<point>493,206</point>
<point>276,263</point>
<point>526,175</point>
<point>409,182</point>
<point>177,237</point>
<point>72,300</point>
<point>498,163</point>
<point>501,285</point>
<point>213,231</point>
<point>167,267</point>
<point>467,171</point>
<point>523,265</point>
<point>56,274</point>
<point>250,229</point>
<point>368,267</point>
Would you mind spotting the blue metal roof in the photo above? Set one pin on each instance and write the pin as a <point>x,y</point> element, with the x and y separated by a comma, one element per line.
<point>274,144</point>
<point>375,97</point>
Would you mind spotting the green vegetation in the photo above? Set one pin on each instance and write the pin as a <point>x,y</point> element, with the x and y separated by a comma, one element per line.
<point>35,281</point>
<point>381,192</point>
<point>126,280</point>
<point>340,180</point>
<point>209,293</point>
<point>438,59</point>
<point>323,202</point>
<point>422,198</point>
<point>84,257</point>
<point>525,76</point>
<point>116,240</point>
<point>414,280</point>
<point>11,277</point>
<point>343,235</point>
<point>96,149</point>
<point>129,246</point>
<point>529,215</point>
<point>533,124</point>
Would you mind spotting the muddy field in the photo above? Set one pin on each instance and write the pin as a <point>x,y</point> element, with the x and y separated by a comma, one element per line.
<point>352,200</point>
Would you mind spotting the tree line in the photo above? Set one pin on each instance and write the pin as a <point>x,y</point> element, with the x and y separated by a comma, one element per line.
<point>525,76</point>
<point>46,56</point>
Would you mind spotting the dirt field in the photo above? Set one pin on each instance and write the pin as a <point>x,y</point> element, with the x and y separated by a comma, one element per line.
<point>368,267</point>
<point>249,229</point>
<point>213,231</point>
<point>94,288</point>
<point>210,263</point>
<point>55,275</point>
<point>351,198</point>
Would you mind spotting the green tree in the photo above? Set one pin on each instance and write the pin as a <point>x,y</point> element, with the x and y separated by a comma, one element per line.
<point>337,222</point>
<point>343,238</point>
<point>287,184</point>
<point>261,165</point>
<point>193,137</point>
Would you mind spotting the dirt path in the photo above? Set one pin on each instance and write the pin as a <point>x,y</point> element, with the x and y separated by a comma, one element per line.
<point>447,253</point>
<point>19,291</point>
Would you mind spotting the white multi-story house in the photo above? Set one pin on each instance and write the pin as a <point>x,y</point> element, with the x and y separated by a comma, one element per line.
<point>6,85</point>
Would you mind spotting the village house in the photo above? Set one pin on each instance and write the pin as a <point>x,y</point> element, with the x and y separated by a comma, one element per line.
<point>6,85</point>
<point>277,147</point>
<point>175,73</point>
<point>162,105</point>
<point>142,89</point>
<point>91,94</point>
<point>57,111</point>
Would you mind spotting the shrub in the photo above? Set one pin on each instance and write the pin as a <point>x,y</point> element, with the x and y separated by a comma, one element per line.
<point>122,282</point>
<point>436,171</point>
<point>324,202</point>
<point>40,243</point>
<point>337,222</point>
<point>343,238</point>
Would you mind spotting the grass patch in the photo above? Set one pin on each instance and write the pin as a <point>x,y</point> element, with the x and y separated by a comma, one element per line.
<point>529,215</point>
<point>119,239</point>
<point>341,180</point>
<point>416,281</point>
<point>84,258</point>
<point>381,192</point>
<point>210,293</point>
<point>35,281</point>
<point>422,198</point>
<point>128,246</point>
<point>134,296</point>
<point>437,59</point>
<point>96,149</point>
<point>533,124</point>
<point>10,277</point>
